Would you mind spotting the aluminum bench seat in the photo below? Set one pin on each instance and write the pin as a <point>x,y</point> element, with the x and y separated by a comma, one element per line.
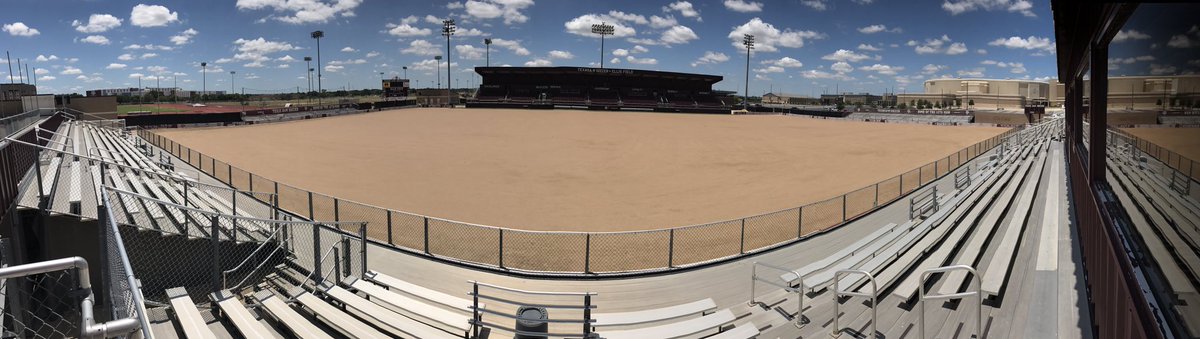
<point>386,319</point>
<point>242,319</point>
<point>839,255</point>
<point>422,292</point>
<point>75,193</point>
<point>336,318</point>
<point>743,331</point>
<point>901,246</point>
<point>445,319</point>
<point>188,316</point>
<point>677,329</point>
<point>826,276</point>
<point>997,271</point>
<point>296,323</point>
<point>50,176</point>
<point>654,315</point>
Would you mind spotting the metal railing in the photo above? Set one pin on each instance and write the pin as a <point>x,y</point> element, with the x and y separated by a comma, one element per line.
<point>570,302</point>
<point>976,292</point>
<point>125,290</point>
<point>777,281</point>
<point>585,253</point>
<point>39,297</point>
<point>838,292</point>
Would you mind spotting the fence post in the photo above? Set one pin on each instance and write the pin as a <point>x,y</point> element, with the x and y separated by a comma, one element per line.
<point>215,241</point>
<point>587,253</point>
<point>336,212</point>
<point>741,243</point>
<point>500,250</point>
<point>843,208</point>
<point>310,206</point>
<point>799,222</point>
<point>214,167</point>
<point>185,194</point>
<point>920,176</point>
<point>346,267</point>
<point>37,165</point>
<point>876,203</point>
<point>316,229</point>
<point>671,248</point>
<point>276,212</point>
<point>229,171</point>
<point>900,191</point>
<point>362,238</point>
<point>389,225</point>
<point>426,236</point>
<point>250,177</point>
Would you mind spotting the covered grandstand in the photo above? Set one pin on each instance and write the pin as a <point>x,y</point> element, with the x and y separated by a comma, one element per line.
<point>597,88</point>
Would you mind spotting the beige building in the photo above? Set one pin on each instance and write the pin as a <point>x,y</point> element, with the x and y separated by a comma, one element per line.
<point>1147,92</point>
<point>987,94</point>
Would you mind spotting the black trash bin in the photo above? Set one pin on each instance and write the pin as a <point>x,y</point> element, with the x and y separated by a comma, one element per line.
<point>532,320</point>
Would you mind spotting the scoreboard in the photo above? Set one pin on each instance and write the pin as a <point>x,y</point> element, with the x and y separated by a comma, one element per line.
<point>395,88</point>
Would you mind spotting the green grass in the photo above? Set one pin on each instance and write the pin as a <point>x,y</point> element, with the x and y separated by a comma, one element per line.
<point>125,109</point>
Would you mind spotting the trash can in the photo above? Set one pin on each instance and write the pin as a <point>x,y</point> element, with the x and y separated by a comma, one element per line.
<point>532,320</point>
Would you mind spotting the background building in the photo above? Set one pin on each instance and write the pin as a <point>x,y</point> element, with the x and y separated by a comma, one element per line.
<point>990,94</point>
<point>1151,92</point>
<point>789,99</point>
<point>11,92</point>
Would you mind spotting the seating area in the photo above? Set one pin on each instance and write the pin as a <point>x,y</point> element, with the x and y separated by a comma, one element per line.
<point>911,118</point>
<point>1163,223</point>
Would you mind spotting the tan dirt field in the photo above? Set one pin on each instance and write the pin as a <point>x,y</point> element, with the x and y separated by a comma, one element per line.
<point>1184,141</point>
<point>566,170</point>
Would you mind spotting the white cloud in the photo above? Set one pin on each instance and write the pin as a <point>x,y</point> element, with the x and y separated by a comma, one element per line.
<point>334,68</point>
<point>125,57</point>
<point>882,69</point>
<point>981,51</point>
<point>931,68</point>
<point>841,67</point>
<point>1131,60</point>
<point>468,52</point>
<point>867,47</point>
<point>491,9</point>
<point>40,71</point>
<point>942,45</point>
<point>1156,69</point>
<point>408,20</point>
<point>1030,43</point>
<point>421,47</point>
<point>513,46</point>
<point>1132,34</point>
<point>463,32</point>
<point>433,20</point>
<point>149,47</point>
<point>769,69</point>
<point>454,5</point>
<point>962,6</point>
<point>348,62</point>
<point>43,58</point>
<point>641,61</point>
<point>845,55</point>
<point>116,66</point>
<point>306,11</point>
<point>185,37</point>
<point>538,63</point>
<point>684,8</point>
<point>662,22</point>
<point>70,71</point>
<point>561,55</point>
<point>46,78</point>
<point>95,39</point>
<point>620,52</point>
<point>407,30</point>
<point>349,49</point>
<point>286,58</point>
<point>818,5</point>
<point>148,55</point>
<point>20,29</point>
<point>767,37</point>
<point>639,49</point>
<point>256,50</point>
<point>708,58</point>
<point>429,65</point>
<point>872,29</point>
<point>152,16</point>
<point>971,73</point>
<point>956,48</point>
<point>678,35</point>
<point>223,60</point>
<point>743,6</point>
<point>1183,40</point>
<point>818,74</point>
<point>372,54</point>
<point>97,23</point>
<point>786,62</point>
<point>582,25</point>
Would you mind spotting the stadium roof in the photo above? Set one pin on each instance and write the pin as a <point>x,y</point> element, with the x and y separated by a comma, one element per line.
<point>618,72</point>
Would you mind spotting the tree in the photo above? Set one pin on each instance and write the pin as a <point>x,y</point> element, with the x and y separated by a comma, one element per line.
<point>841,106</point>
<point>971,102</point>
<point>903,106</point>
<point>938,105</point>
<point>957,102</point>
<point>1158,102</point>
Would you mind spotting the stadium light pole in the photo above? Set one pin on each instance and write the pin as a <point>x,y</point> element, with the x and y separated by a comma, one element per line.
<point>487,52</point>
<point>602,29</point>
<point>448,30</point>
<point>318,35</point>
<point>438,65</point>
<point>203,79</point>
<point>747,40</point>
<point>232,81</point>
<point>405,68</point>
<point>308,73</point>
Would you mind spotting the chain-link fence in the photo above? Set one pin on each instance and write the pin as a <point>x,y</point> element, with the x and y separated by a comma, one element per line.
<point>581,252</point>
<point>206,251</point>
<point>42,305</point>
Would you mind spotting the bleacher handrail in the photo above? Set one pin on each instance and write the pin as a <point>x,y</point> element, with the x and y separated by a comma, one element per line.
<point>139,300</point>
<point>978,293</point>
<point>90,328</point>
<point>477,312</point>
<point>230,216</point>
<point>754,279</point>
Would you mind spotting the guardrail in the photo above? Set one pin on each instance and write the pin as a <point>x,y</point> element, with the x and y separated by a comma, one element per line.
<point>585,253</point>
<point>567,302</point>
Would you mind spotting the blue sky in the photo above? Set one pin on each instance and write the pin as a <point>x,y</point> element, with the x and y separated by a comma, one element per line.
<point>806,46</point>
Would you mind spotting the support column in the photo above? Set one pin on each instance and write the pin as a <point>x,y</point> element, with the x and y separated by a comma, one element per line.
<point>1098,113</point>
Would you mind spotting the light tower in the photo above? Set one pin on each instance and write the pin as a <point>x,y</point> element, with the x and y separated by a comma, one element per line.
<point>405,68</point>
<point>318,35</point>
<point>232,88</point>
<point>447,31</point>
<point>203,79</point>
<point>438,65</point>
<point>308,74</point>
<point>747,40</point>
<point>602,29</point>
<point>487,52</point>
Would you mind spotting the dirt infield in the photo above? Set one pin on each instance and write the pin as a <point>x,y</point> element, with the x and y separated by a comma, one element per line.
<point>1185,141</point>
<point>579,170</point>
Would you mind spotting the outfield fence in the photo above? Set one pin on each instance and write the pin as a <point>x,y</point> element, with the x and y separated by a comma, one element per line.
<point>584,253</point>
